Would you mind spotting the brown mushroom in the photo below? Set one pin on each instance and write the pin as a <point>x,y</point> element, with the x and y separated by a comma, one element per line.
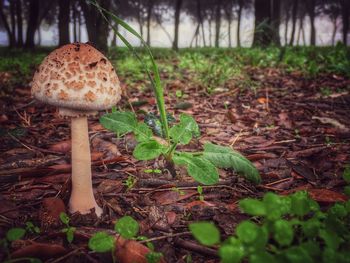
<point>80,81</point>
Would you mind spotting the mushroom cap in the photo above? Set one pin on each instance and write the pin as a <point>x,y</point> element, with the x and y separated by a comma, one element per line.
<point>78,77</point>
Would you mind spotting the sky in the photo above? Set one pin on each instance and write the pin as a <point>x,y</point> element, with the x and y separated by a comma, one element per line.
<point>324,28</point>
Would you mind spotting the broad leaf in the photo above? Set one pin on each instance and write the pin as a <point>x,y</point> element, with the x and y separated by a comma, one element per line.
<point>119,122</point>
<point>199,168</point>
<point>127,227</point>
<point>231,254</point>
<point>253,207</point>
<point>183,132</point>
<point>247,232</point>
<point>148,150</point>
<point>142,132</point>
<point>283,232</point>
<point>15,233</point>
<point>101,242</point>
<point>224,157</point>
<point>205,232</point>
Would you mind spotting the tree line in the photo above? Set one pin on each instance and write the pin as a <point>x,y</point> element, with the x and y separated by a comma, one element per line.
<point>21,19</point>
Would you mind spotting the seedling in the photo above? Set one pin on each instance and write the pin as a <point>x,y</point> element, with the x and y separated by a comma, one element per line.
<point>179,191</point>
<point>154,171</point>
<point>292,229</point>
<point>128,228</point>
<point>200,192</point>
<point>31,228</point>
<point>202,166</point>
<point>130,182</point>
<point>69,230</point>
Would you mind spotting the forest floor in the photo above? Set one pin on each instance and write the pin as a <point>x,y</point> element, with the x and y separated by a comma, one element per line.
<point>294,127</point>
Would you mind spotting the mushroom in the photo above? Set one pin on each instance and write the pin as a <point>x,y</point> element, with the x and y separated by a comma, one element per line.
<point>80,81</point>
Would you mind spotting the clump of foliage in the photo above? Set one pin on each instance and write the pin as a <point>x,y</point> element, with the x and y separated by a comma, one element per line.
<point>128,228</point>
<point>283,229</point>
<point>68,229</point>
<point>201,166</point>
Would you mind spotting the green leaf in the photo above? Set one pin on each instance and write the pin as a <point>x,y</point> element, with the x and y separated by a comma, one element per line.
<point>224,157</point>
<point>101,242</point>
<point>231,254</point>
<point>298,255</point>
<point>205,232</point>
<point>311,227</point>
<point>64,218</point>
<point>119,122</point>
<point>183,132</point>
<point>70,234</point>
<point>153,257</point>
<point>338,210</point>
<point>261,257</point>
<point>252,207</point>
<point>275,205</point>
<point>15,233</point>
<point>283,232</point>
<point>199,168</point>
<point>300,204</point>
<point>346,174</point>
<point>142,132</point>
<point>331,239</point>
<point>127,227</point>
<point>247,232</point>
<point>148,150</point>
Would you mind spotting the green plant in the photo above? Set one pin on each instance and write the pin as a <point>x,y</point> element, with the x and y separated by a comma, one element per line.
<point>130,182</point>
<point>68,230</point>
<point>177,190</point>
<point>31,228</point>
<point>289,229</point>
<point>128,228</point>
<point>201,168</point>
<point>200,193</point>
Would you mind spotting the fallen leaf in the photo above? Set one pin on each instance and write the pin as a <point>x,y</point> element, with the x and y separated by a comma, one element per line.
<point>62,147</point>
<point>170,197</point>
<point>108,186</point>
<point>50,212</point>
<point>199,204</point>
<point>128,251</point>
<point>42,251</point>
<point>326,196</point>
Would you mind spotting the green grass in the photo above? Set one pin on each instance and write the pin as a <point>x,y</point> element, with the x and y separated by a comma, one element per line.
<point>209,67</point>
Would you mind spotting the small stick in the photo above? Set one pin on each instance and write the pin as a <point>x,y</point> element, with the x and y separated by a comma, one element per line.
<point>196,247</point>
<point>164,237</point>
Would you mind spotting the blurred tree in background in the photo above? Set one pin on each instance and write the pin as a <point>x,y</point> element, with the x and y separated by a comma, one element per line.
<point>214,20</point>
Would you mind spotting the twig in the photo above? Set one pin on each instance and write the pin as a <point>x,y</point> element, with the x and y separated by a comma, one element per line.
<point>165,236</point>
<point>66,255</point>
<point>196,247</point>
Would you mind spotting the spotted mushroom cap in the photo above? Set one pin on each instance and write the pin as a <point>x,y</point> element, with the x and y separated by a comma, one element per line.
<point>76,77</point>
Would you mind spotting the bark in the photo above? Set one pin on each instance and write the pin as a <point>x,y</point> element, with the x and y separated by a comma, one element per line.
<point>10,36</point>
<point>267,21</point>
<point>177,23</point>
<point>96,25</point>
<point>13,19</point>
<point>33,23</point>
<point>294,20</point>
<point>63,22</point>
<point>74,12</point>
<point>200,19</point>
<point>335,28</point>
<point>345,6</point>
<point>149,17</point>
<point>210,33</point>
<point>311,10</point>
<point>286,28</point>
<point>239,17</point>
<point>19,23</point>
<point>217,23</point>
<point>195,35</point>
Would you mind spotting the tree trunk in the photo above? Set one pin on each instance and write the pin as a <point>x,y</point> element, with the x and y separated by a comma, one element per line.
<point>294,20</point>
<point>63,22</point>
<point>195,34</point>
<point>275,21</point>
<point>13,20</point>
<point>239,17</point>
<point>310,7</point>
<point>74,12</point>
<point>33,22</point>
<point>335,28</point>
<point>177,22</point>
<point>217,23</point>
<point>96,25</point>
<point>210,33</point>
<point>149,16</point>
<point>200,19</point>
<point>79,26</point>
<point>19,23</point>
<point>10,36</point>
<point>286,28</point>
<point>229,21</point>
<point>345,6</point>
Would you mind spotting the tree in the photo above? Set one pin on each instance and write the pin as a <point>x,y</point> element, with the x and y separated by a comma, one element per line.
<point>9,30</point>
<point>33,23</point>
<point>63,22</point>
<point>217,22</point>
<point>178,5</point>
<point>294,20</point>
<point>345,6</point>
<point>311,11</point>
<point>19,23</point>
<point>96,25</point>
<point>267,20</point>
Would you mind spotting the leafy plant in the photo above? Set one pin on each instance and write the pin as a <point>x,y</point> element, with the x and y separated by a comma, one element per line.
<point>130,182</point>
<point>148,147</point>
<point>200,193</point>
<point>68,230</point>
<point>292,229</point>
<point>128,228</point>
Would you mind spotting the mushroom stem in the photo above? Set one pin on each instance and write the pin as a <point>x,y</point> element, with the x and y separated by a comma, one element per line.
<point>82,198</point>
